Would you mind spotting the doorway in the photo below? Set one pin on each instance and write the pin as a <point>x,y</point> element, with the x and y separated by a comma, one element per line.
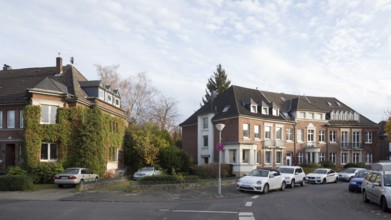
<point>9,155</point>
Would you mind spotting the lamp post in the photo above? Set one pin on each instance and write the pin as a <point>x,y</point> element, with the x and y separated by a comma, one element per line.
<point>220,147</point>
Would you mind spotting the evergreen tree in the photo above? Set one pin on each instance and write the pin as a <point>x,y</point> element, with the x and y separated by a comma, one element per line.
<point>218,82</point>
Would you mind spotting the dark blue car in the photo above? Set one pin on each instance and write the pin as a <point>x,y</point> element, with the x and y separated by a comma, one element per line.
<point>356,181</point>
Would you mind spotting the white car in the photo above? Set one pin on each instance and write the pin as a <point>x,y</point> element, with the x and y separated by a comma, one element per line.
<point>146,171</point>
<point>377,188</point>
<point>293,175</point>
<point>322,175</point>
<point>74,176</point>
<point>261,180</point>
<point>348,173</point>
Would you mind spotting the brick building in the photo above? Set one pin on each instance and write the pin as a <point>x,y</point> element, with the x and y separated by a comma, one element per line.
<point>50,88</point>
<point>270,129</point>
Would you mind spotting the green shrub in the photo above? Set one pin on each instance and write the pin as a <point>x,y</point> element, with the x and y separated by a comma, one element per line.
<point>45,172</point>
<point>361,165</point>
<point>15,183</point>
<point>211,170</point>
<point>167,179</point>
<point>173,160</point>
<point>16,170</point>
<point>328,164</point>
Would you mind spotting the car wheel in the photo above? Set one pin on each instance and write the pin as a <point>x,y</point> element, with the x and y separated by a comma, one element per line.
<point>293,183</point>
<point>302,183</point>
<point>336,179</point>
<point>364,197</point>
<point>383,204</point>
<point>266,189</point>
<point>283,185</point>
<point>324,181</point>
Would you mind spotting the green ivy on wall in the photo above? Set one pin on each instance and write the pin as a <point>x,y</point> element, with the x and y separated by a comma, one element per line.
<point>84,137</point>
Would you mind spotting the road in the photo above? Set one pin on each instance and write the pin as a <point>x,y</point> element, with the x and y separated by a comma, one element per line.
<point>328,201</point>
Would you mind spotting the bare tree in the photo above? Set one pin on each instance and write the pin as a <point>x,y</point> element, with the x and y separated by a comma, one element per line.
<point>165,113</point>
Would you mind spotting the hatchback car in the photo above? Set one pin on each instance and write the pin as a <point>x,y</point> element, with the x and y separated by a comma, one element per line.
<point>348,173</point>
<point>355,182</point>
<point>146,171</point>
<point>74,176</point>
<point>261,180</point>
<point>293,175</point>
<point>322,175</point>
<point>377,188</point>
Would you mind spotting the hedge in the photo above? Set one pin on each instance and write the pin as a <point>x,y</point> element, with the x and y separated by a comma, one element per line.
<point>15,183</point>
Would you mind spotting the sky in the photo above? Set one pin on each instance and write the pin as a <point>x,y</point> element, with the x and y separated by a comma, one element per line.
<point>327,48</point>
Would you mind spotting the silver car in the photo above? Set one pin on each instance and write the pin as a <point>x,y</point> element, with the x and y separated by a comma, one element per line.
<point>74,176</point>
<point>146,171</point>
<point>347,174</point>
<point>377,188</point>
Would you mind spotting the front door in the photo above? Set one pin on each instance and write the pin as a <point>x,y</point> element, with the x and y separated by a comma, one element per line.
<point>9,155</point>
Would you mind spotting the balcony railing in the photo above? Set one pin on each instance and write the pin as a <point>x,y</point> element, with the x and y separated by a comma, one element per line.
<point>354,146</point>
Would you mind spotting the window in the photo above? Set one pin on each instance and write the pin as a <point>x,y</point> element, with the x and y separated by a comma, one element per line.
<point>310,157</point>
<point>344,139</point>
<point>257,134</point>
<point>278,133</point>
<point>311,115</point>
<point>205,122</point>
<point>101,94</point>
<point>113,154</point>
<point>344,158</point>
<point>258,157</point>
<point>278,157</point>
<point>321,157</point>
<point>1,119</point>
<point>245,156</point>
<point>276,112</point>
<point>300,158</point>
<point>356,138</point>
<point>368,137</point>
<point>302,115</point>
<point>368,158</point>
<point>310,135</point>
<point>11,119</point>
<point>21,119</point>
<point>265,110</point>
<point>232,156</point>
<point>246,131</point>
<point>48,114</point>
<point>268,159</point>
<point>49,152</point>
<point>332,137</point>
<point>205,140</point>
<point>254,109</point>
<point>289,135</point>
<point>268,134</point>
<point>109,99</point>
<point>333,158</point>
<point>322,136</point>
<point>356,158</point>
<point>300,135</point>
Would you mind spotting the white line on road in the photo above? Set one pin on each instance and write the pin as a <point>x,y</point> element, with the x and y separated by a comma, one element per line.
<point>254,197</point>
<point>246,216</point>
<point>200,211</point>
<point>249,204</point>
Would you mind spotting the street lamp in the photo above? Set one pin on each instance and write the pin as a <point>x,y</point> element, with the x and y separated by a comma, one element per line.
<point>220,147</point>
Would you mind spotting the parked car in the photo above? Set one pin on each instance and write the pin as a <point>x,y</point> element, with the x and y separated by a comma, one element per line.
<point>355,182</point>
<point>348,173</point>
<point>261,180</point>
<point>293,175</point>
<point>146,171</point>
<point>322,175</point>
<point>74,176</point>
<point>377,188</point>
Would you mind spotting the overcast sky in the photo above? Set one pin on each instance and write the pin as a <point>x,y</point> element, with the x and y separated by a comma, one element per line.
<point>331,48</point>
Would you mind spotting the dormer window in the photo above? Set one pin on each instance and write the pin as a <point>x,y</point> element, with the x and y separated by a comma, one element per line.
<point>276,112</point>
<point>109,99</point>
<point>254,109</point>
<point>265,110</point>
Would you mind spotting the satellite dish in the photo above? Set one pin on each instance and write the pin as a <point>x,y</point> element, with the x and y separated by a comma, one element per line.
<point>72,60</point>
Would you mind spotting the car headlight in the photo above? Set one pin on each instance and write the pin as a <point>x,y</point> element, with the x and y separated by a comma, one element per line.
<point>259,182</point>
<point>287,178</point>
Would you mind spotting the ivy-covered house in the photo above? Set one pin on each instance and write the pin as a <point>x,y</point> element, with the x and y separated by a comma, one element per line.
<point>54,114</point>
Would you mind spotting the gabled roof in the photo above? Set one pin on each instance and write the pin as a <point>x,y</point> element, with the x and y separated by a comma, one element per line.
<point>234,101</point>
<point>49,84</point>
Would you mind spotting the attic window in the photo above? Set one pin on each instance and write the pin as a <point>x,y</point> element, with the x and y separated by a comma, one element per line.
<point>265,110</point>
<point>282,98</point>
<point>276,112</point>
<point>339,104</point>
<point>329,103</point>
<point>254,109</point>
<point>226,108</point>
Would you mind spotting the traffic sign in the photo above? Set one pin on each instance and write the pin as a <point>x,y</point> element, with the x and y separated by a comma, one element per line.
<point>220,146</point>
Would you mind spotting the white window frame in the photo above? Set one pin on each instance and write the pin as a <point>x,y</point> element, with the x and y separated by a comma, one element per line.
<point>368,158</point>
<point>278,157</point>
<point>246,156</point>
<point>21,119</point>
<point>268,132</point>
<point>300,135</point>
<point>356,138</point>
<point>205,141</point>
<point>333,158</point>
<point>268,153</point>
<point>289,134</point>
<point>322,135</point>
<point>246,131</point>
<point>254,108</point>
<point>278,133</point>
<point>344,158</point>
<point>11,119</point>
<point>257,134</point>
<point>300,158</point>
<point>333,135</point>
<point>49,152</point>
<point>232,156</point>
<point>265,110</point>
<point>310,135</point>
<point>205,123</point>
<point>368,137</point>
<point>1,119</point>
<point>322,157</point>
<point>344,138</point>
<point>356,158</point>
<point>50,117</point>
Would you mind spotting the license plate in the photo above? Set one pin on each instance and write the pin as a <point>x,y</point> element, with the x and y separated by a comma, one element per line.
<point>64,177</point>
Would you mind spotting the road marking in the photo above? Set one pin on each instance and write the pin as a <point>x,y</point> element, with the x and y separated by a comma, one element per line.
<point>249,204</point>
<point>200,211</point>
<point>254,197</point>
<point>246,216</point>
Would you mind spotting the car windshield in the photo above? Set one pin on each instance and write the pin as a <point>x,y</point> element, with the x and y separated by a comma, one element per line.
<point>146,169</point>
<point>261,173</point>
<point>350,170</point>
<point>71,171</point>
<point>361,173</point>
<point>387,179</point>
<point>320,171</point>
<point>286,170</point>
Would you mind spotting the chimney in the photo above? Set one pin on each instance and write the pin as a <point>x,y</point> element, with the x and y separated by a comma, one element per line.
<point>59,64</point>
<point>7,67</point>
